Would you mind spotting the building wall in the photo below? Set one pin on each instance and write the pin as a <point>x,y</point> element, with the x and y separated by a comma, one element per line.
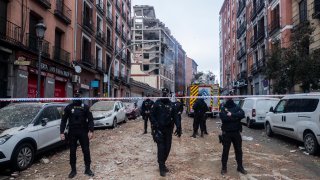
<point>188,70</point>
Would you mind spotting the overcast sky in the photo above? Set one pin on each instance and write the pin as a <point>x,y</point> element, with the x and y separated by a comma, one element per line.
<point>195,24</point>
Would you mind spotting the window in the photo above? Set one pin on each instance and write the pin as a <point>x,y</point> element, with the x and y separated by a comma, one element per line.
<point>248,104</point>
<point>301,105</point>
<point>122,70</point>
<point>116,68</point>
<point>50,113</point>
<point>145,67</point>
<point>86,48</point>
<point>145,55</point>
<point>303,11</point>
<point>99,24</point>
<point>99,56</point>
<point>281,106</point>
<point>109,36</point>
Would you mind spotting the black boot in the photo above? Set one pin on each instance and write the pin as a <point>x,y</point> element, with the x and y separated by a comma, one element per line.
<point>206,133</point>
<point>145,132</point>
<point>201,134</point>
<point>224,170</point>
<point>162,169</point>
<point>242,170</point>
<point>166,169</point>
<point>88,171</point>
<point>193,135</point>
<point>73,172</point>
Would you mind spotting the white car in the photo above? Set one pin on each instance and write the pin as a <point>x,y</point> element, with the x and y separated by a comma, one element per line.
<point>297,117</point>
<point>256,108</point>
<point>108,113</point>
<point>27,129</point>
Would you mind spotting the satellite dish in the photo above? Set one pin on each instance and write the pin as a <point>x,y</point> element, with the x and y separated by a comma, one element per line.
<point>77,69</point>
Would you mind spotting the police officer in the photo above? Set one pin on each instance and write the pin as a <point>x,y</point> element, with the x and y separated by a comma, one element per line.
<point>200,108</point>
<point>80,123</point>
<point>145,112</point>
<point>231,116</point>
<point>178,109</point>
<point>163,120</point>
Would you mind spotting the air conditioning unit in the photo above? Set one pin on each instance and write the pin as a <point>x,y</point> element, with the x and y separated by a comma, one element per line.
<point>76,79</point>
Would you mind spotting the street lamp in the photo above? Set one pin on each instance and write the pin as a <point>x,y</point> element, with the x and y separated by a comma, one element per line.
<point>40,30</point>
<point>114,57</point>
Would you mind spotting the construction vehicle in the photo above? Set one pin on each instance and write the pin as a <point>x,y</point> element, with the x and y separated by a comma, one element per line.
<point>213,101</point>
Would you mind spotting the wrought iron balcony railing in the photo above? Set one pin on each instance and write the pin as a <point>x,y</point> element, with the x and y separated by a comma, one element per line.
<point>32,44</point>
<point>45,3</point>
<point>10,32</point>
<point>63,12</point>
<point>60,55</point>
<point>241,29</point>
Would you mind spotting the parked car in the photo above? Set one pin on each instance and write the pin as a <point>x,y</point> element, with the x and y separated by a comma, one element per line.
<point>132,110</point>
<point>297,117</point>
<point>256,108</point>
<point>27,129</point>
<point>108,113</point>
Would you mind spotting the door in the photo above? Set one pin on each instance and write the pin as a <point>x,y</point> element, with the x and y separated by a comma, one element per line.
<point>277,118</point>
<point>122,111</point>
<point>32,86</point>
<point>3,78</point>
<point>49,133</point>
<point>3,17</point>
<point>117,111</point>
<point>290,117</point>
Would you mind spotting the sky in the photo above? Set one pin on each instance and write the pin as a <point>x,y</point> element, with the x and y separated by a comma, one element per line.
<point>195,24</point>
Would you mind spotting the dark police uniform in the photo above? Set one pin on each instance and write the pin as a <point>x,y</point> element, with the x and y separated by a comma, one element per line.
<point>145,112</point>
<point>163,120</point>
<point>80,122</point>
<point>231,127</point>
<point>200,108</point>
<point>178,109</point>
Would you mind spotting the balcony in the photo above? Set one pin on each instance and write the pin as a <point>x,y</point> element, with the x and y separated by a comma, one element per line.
<point>242,5</point>
<point>109,44</point>
<point>274,26</point>
<point>118,29</point>
<point>241,29</point>
<point>118,5</point>
<point>124,36</point>
<point>63,12</point>
<point>316,6</point>
<point>87,23</point>
<point>100,35</point>
<point>45,3</point>
<point>88,60</point>
<point>242,75</point>
<point>254,68</point>
<point>100,5</point>
<point>124,15</point>
<point>256,10</point>
<point>256,38</point>
<point>62,56</point>
<point>241,53</point>
<point>32,44</point>
<point>10,32</point>
<point>109,18</point>
<point>261,63</point>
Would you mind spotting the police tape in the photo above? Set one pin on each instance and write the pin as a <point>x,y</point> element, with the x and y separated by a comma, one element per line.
<point>136,98</point>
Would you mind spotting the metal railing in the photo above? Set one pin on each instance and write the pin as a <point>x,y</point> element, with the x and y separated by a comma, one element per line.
<point>63,11</point>
<point>118,5</point>
<point>109,43</point>
<point>241,29</point>
<point>123,15</point>
<point>61,55</point>
<point>10,32</point>
<point>100,35</point>
<point>118,29</point>
<point>257,37</point>
<point>88,59</point>
<point>256,9</point>
<point>100,5</point>
<point>241,52</point>
<point>32,44</point>
<point>242,5</point>
<point>242,75</point>
<point>117,49</point>
<point>274,25</point>
<point>87,22</point>
<point>124,36</point>
<point>109,17</point>
<point>316,7</point>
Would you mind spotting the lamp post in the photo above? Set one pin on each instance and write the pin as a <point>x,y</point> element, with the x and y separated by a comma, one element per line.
<point>114,57</point>
<point>40,30</point>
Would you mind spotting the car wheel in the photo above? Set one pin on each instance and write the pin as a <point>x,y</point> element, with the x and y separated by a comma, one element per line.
<point>310,143</point>
<point>268,130</point>
<point>249,124</point>
<point>114,123</point>
<point>23,157</point>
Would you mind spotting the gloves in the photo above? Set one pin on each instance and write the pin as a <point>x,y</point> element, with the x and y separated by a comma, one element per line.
<point>178,132</point>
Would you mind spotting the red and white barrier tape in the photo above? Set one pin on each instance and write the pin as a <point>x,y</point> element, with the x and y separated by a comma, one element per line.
<point>132,98</point>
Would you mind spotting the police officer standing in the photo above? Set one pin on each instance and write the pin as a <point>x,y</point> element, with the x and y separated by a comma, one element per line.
<point>163,120</point>
<point>199,108</point>
<point>231,116</point>
<point>80,123</point>
<point>145,112</point>
<point>178,109</point>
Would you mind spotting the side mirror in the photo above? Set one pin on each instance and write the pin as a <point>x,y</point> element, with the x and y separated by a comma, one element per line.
<point>271,109</point>
<point>44,121</point>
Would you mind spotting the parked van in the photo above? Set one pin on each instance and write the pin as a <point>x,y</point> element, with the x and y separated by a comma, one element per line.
<point>297,117</point>
<point>256,108</point>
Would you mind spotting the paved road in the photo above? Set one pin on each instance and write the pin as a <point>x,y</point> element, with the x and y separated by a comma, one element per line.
<point>125,153</point>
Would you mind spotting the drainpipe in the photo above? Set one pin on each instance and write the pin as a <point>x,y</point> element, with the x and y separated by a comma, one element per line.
<point>75,31</point>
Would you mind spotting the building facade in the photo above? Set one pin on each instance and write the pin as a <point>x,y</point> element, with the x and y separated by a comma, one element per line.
<point>180,67</point>
<point>102,33</point>
<point>154,56</point>
<point>190,70</point>
<point>19,48</point>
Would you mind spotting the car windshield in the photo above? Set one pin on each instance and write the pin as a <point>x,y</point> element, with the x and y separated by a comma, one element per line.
<point>102,106</point>
<point>264,105</point>
<point>18,115</point>
<point>129,105</point>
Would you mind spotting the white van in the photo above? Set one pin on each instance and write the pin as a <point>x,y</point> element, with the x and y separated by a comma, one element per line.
<point>297,117</point>
<point>256,108</point>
